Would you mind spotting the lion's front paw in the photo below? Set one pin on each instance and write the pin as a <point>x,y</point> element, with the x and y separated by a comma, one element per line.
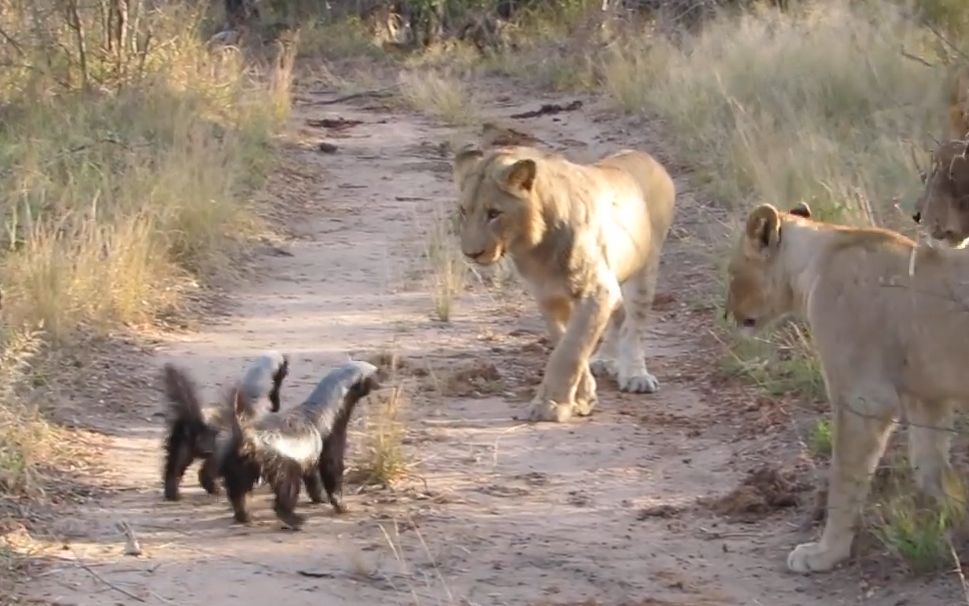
<point>604,367</point>
<point>548,410</point>
<point>813,557</point>
<point>639,383</point>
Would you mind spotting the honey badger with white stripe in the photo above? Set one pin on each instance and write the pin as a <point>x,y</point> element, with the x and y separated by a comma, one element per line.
<point>194,430</point>
<point>303,444</point>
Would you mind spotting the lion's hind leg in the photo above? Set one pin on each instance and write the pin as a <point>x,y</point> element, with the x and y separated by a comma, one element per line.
<point>637,293</point>
<point>861,429</point>
<point>604,363</point>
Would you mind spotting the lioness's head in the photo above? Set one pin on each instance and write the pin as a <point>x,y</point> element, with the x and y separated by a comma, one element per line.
<point>756,294</point>
<point>943,207</point>
<point>497,203</point>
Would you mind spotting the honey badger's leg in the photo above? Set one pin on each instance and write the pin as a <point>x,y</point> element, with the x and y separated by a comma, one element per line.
<point>314,485</point>
<point>177,459</point>
<point>285,481</point>
<point>208,475</point>
<point>240,477</point>
<point>331,466</point>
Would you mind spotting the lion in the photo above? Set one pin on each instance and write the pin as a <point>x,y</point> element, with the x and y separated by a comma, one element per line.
<point>889,322</point>
<point>943,206</point>
<point>586,239</point>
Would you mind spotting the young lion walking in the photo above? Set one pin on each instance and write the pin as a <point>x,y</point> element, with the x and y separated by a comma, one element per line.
<point>587,240</point>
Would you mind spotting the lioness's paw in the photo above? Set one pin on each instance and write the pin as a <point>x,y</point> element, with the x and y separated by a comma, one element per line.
<point>812,557</point>
<point>603,367</point>
<point>640,383</point>
<point>547,410</point>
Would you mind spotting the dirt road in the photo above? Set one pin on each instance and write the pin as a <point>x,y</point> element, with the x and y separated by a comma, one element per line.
<point>602,510</point>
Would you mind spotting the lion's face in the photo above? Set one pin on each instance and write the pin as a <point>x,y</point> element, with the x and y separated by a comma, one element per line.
<point>755,296</point>
<point>943,207</point>
<point>496,206</point>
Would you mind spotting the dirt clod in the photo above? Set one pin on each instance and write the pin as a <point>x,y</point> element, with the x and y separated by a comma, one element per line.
<point>476,378</point>
<point>763,491</point>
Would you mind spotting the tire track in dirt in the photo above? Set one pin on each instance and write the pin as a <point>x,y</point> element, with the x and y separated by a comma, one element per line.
<point>496,511</point>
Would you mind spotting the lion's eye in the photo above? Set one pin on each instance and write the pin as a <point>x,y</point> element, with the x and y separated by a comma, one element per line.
<point>493,214</point>
<point>923,176</point>
<point>461,211</point>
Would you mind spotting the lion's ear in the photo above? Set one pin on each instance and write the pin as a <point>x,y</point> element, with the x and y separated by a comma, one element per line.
<point>519,176</point>
<point>464,161</point>
<point>801,210</point>
<point>763,227</point>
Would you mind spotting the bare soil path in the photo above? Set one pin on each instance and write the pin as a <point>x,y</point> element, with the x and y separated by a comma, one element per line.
<point>602,510</point>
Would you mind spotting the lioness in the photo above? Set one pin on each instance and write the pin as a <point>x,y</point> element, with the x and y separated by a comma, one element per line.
<point>587,240</point>
<point>890,325</point>
<point>943,207</point>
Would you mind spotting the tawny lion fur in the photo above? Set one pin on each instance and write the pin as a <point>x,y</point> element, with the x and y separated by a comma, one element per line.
<point>889,322</point>
<point>587,240</point>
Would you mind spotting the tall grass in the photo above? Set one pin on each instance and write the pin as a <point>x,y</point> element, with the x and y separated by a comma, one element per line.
<point>440,94</point>
<point>818,104</point>
<point>125,157</point>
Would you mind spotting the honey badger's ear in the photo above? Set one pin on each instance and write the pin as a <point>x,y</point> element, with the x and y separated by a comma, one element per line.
<point>763,228</point>
<point>801,210</point>
<point>464,161</point>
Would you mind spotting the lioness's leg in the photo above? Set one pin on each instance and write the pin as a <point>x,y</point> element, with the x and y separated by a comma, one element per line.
<point>860,434</point>
<point>567,366</point>
<point>637,294</point>
<point>929,439</point>
<point>603,363</point>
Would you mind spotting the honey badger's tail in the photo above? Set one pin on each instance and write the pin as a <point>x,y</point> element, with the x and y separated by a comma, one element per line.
<point>187,432</point>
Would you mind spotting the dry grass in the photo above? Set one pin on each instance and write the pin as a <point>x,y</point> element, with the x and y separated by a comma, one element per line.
<point>124,169</point>
<point>25,438</point>
<point>383,459</point>
<point>439,93</point>
<point>448,270</point>
<point>817,105</point>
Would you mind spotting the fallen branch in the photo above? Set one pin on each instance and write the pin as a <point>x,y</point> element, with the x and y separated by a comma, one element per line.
<point>98,577</point>
<point>916,58</point>
<point>548,109</point>
<point>379,92</point>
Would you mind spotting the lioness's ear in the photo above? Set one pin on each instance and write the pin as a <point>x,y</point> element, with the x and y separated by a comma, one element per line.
<point>801,210</point>
<point>763,227</point>
<point>464,161</point>
<point>520,175</point>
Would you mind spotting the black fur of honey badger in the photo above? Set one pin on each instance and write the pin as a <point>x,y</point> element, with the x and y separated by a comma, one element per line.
<point>305,444</point>
<point>194,430</point>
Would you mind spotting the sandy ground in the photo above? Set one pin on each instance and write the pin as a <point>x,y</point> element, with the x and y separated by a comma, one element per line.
<point>603,510</point>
